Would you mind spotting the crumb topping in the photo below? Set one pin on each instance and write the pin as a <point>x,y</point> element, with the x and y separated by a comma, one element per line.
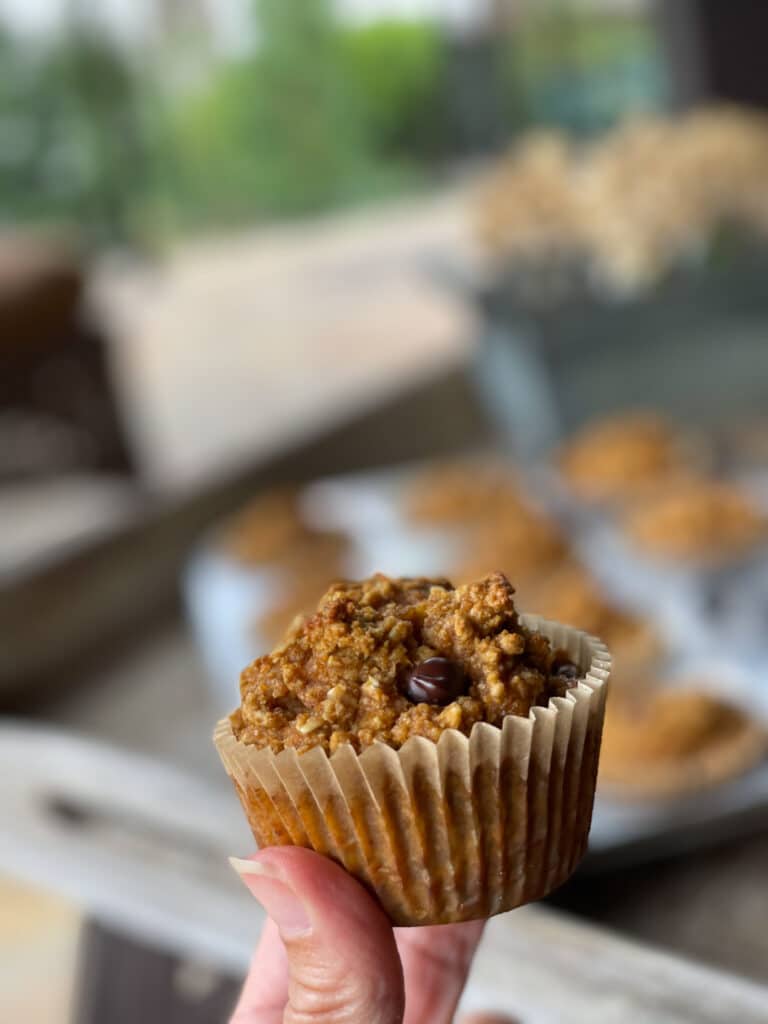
<point>342,676</point>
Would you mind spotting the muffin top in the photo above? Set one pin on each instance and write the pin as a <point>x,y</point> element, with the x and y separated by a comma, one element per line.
<point>671,725</point>
<point>677,740</point>
<point>526,543</point>
<point>700,519</point>
<point>270,529</point>
<point>386,659</point>
<point>570,594</point>
<point>620,455</point>
<point>460,492</point>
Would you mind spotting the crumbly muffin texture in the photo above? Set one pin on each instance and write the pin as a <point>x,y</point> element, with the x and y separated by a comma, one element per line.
<point>343,675</point>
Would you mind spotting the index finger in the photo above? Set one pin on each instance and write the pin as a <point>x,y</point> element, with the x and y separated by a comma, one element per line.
<point>265,992</point>
<point>436,961</point>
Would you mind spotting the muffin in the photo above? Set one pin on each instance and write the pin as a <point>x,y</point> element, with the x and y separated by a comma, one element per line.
<point>265,529</point>
<point>526,545</point>
<point>462,492</point>
<point>271,530</point>
<point>271,533</point>
<point>300,597</point>
<point>676,741</point>
<point>698,520</point>
<point>572,595</point>
<point>438,745</point>
<point>621,456</point>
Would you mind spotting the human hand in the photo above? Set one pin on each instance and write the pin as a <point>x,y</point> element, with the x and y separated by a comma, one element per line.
<point>328,954</point>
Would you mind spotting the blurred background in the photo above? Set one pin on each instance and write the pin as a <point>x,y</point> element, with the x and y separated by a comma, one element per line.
<point>296,290</point>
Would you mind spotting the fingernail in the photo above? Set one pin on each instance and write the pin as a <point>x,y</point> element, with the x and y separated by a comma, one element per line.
<point>281,903</point>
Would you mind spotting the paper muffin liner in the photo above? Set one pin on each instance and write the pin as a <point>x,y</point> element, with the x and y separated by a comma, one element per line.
<point>463,828</point>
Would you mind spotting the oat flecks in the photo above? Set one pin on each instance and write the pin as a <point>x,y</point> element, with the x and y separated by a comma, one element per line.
<point>341,677</point>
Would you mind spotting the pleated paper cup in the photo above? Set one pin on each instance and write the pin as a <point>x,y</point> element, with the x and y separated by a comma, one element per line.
<point>463,828</point>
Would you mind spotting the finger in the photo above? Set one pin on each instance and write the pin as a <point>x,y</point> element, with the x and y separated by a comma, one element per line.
<point>265,991</point>
<point>436,962</point>
<point>343,966</point>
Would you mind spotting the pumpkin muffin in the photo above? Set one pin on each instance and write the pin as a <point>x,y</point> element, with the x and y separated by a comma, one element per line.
<point>270,530</point>
<point>526,545</point>
<point>271,533</point>
<point>621,456</point>
<point>352,673</point>
<point>698,520</point>
<point>676,741</point>
<point>438,744</point>
<point>462,492</point>
<point>570,594</point>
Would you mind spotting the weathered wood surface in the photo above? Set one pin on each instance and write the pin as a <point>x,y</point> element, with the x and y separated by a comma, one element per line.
<point>141,844</point>
<point>548,968</point>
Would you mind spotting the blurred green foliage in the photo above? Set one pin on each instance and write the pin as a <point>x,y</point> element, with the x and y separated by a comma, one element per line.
<point>276,131</point>
<point>314,114</point>
<point>397,70</point>
<point>73,145</point>
<point>317,115</point>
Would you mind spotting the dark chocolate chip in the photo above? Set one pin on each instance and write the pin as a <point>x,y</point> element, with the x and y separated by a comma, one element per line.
<point>436,681</point>
<point>566,670</point>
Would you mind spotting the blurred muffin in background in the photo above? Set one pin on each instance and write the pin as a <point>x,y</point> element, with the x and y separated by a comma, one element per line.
<point>265,528</point>
<point>270,530</point>
<point>296,601</point>
<point>620,456</point>
<point>675,741</point>
<point>696,520</point>
<point>570,594</point>
<point>464,491</point>
<point>522,545</point>
<point>270,533</point>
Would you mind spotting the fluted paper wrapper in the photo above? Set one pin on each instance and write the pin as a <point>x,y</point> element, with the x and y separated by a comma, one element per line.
<point>450,831</point>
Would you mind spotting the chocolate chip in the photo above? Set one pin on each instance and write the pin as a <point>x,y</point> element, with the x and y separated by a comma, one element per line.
<point>564,669</point>
<point>436,681</point>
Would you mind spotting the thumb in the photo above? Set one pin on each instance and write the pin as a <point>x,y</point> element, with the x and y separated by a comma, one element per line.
<point>343,965</point>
